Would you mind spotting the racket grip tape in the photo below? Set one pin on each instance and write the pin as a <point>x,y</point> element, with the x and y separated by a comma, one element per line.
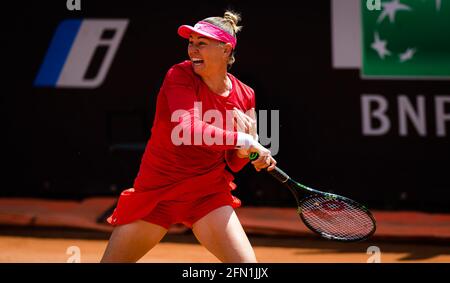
<point>277,173</point>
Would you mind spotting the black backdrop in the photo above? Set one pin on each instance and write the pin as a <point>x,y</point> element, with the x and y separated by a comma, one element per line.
<point>74,143</point>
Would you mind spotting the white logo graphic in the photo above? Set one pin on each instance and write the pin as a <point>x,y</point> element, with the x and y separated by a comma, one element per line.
<point>81,53</point>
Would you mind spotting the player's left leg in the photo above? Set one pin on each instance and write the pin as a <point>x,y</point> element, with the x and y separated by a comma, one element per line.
<point>222,234</point>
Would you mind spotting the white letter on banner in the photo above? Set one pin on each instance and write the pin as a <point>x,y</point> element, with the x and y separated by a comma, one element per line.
<point>379,113</point>
<point>418,118</point>
<point>441,116</point>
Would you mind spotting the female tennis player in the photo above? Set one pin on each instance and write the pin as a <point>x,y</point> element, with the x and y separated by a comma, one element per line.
<point>182,180</point>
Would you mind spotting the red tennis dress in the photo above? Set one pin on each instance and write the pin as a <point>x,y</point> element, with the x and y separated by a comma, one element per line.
<point>180,182</point>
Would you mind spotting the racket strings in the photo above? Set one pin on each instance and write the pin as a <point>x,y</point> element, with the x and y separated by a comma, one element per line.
<point>336,218</point>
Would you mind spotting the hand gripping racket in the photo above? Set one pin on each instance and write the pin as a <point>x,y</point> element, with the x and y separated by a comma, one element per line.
<point>331,216</point>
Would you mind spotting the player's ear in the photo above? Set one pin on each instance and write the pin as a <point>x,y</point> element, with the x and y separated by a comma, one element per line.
<point>227,49</point>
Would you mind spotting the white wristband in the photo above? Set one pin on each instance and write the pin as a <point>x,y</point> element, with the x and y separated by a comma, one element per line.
<point>244,140</point>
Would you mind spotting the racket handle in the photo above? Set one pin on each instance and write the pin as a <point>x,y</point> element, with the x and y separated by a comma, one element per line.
<point>277,173</point>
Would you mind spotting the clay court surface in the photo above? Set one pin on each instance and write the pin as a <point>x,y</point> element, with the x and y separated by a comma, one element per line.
<point>44,245</point>
<point>42,231</point>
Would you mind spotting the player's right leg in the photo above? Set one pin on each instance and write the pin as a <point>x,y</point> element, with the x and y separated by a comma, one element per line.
<point>130,242</point>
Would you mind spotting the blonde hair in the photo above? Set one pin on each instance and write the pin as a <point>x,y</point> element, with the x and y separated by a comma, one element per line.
<point>229,23</point>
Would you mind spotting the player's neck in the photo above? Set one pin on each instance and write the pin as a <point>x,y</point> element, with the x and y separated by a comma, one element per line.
<point>219,83</point>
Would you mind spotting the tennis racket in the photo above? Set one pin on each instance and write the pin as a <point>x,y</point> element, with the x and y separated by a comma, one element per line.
<point>329,215</point>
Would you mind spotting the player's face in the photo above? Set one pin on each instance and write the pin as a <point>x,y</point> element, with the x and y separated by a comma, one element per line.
<point>208,56</point>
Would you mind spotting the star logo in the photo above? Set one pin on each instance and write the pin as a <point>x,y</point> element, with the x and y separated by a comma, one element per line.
<point>406,39</point>
<point>390,9</point>
<point>380,46</point>
<point>438,4</point>
<point>407,55</point>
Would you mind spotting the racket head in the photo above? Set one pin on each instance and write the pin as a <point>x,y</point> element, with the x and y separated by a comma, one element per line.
<point>336,217</point>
